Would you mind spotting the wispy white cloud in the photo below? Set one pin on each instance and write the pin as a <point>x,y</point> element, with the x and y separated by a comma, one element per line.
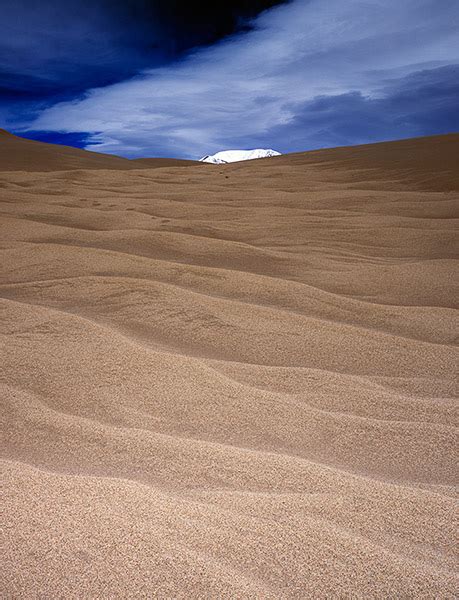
<point>259,83</point>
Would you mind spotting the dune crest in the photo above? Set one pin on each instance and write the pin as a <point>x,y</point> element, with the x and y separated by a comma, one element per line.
<point>233,381</point>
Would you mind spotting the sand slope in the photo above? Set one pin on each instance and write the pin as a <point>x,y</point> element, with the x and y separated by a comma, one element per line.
<point>19,154</point>
<point>229,381</point>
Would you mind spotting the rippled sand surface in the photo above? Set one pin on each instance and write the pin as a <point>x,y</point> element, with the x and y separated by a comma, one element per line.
<point>229,381</point>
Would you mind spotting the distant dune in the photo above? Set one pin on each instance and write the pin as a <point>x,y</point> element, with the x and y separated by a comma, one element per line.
<point>156,163</point>
<point>20,154</point>
<point>229,381</point>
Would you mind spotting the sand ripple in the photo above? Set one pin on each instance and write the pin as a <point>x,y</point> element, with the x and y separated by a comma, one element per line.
<point>230,382</point>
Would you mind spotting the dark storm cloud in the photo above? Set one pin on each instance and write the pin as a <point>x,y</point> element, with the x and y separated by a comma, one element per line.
<point>55,50</point>
<point>56,47</point>
<point>422,103</point>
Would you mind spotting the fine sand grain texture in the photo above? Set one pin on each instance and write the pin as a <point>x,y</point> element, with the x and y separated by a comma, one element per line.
<point>231,381</point>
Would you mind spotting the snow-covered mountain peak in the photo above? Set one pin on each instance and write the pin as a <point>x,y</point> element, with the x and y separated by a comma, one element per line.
<point>229,156</point>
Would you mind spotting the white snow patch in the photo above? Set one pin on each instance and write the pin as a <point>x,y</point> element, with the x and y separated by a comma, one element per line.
<point>229,156</point>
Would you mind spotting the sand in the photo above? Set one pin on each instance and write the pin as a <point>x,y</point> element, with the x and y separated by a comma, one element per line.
<point>229,381</point>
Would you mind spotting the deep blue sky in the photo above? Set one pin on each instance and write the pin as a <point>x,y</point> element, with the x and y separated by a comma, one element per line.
<point>186,77</point>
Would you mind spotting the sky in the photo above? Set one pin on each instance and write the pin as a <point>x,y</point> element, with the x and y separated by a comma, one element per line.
<point>185,78</point>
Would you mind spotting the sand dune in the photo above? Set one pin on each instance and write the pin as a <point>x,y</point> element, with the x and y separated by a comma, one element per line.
<point>231,381</point>
<point>19,154</point>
